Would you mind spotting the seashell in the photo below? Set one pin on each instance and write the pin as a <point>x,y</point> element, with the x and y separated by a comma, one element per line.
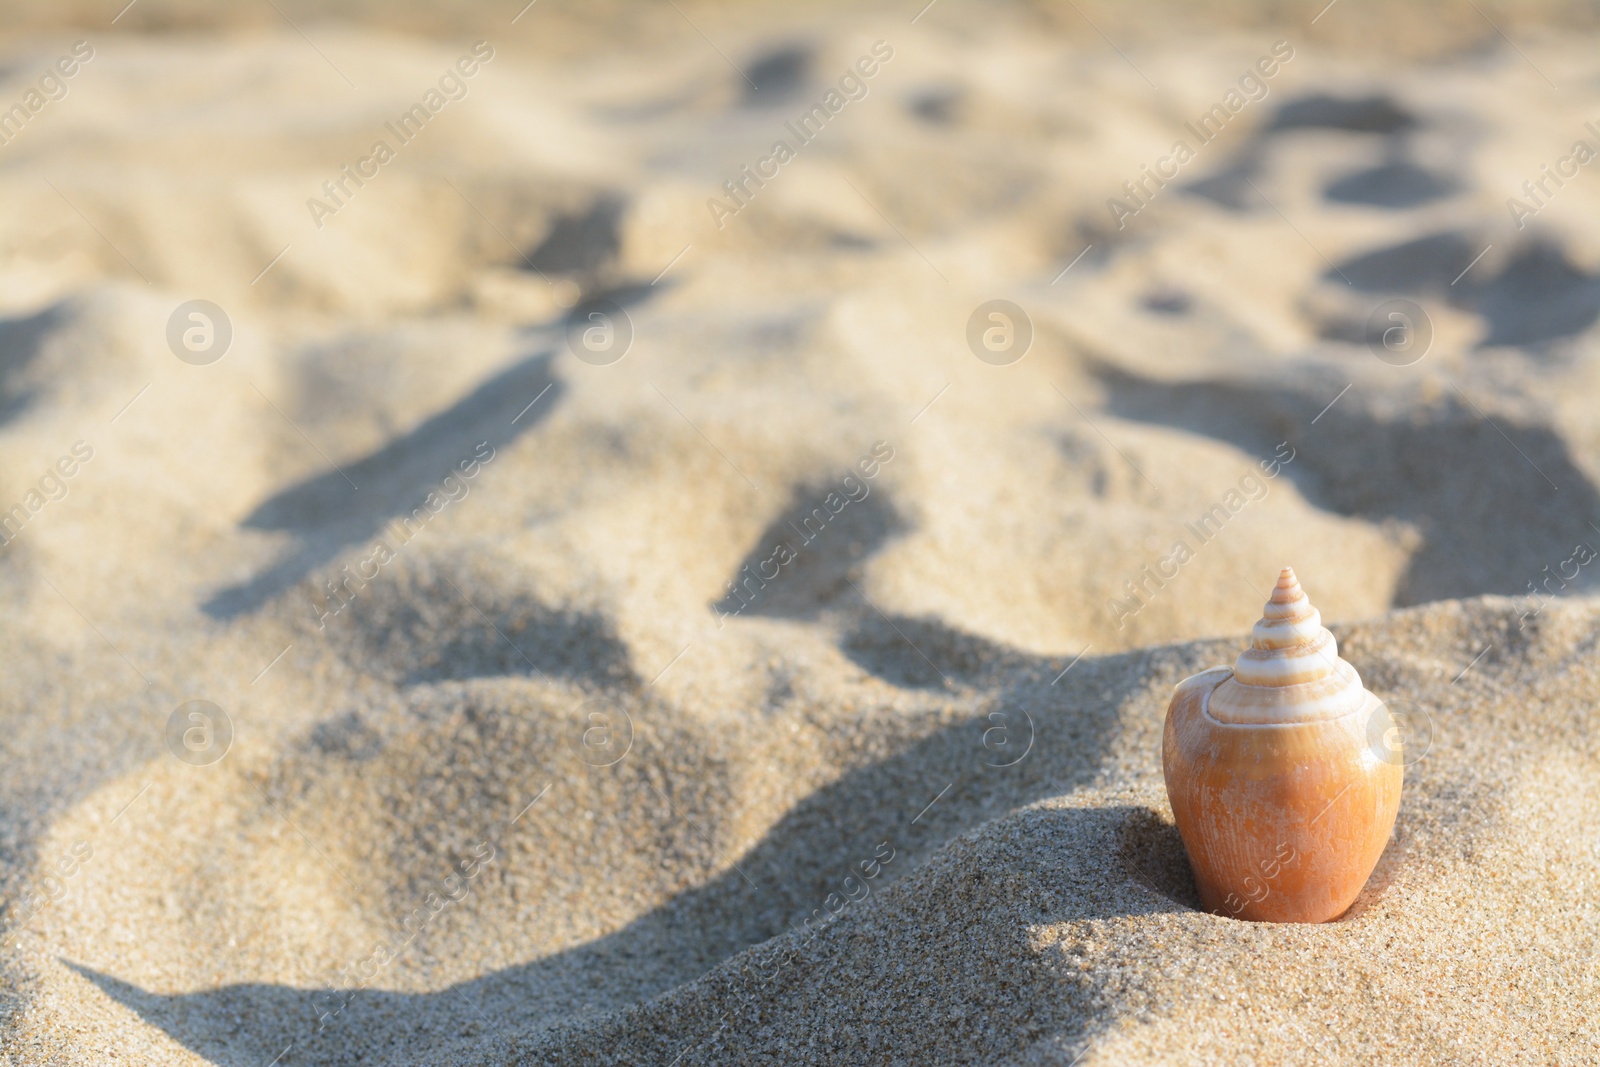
<point>1283,800</point>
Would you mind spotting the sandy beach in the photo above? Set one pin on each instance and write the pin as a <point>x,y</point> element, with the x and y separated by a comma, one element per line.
<point>664,534</point>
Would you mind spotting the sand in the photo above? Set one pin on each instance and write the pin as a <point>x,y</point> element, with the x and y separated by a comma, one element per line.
<point>494,764</point>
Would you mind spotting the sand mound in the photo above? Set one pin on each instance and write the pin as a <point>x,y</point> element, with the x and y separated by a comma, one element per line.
<point>924,901</point>
<point>410,683</point>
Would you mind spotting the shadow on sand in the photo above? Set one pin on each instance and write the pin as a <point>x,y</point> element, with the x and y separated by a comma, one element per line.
<point>1496,504</point>
<point>329,512</point>
<point>1027,739</point>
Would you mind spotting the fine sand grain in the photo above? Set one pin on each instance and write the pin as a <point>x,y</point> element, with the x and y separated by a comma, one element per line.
<point>514,757</point>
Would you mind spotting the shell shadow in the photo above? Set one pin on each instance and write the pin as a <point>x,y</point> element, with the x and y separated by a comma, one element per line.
<point>1484,497</point>
<point>918,797</point>
<point>329,512</point>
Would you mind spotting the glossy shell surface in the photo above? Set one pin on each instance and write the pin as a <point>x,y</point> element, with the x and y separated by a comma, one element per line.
<point>1282,772</point>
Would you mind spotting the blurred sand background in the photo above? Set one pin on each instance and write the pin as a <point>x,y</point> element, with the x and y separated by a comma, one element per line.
<point>534,785</point>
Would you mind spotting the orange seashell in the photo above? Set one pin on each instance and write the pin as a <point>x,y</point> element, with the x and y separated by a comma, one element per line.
<point>1283,772</point>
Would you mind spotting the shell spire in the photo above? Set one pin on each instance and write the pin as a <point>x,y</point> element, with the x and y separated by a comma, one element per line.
<point>1292,671</point>
<point>1289,645</point>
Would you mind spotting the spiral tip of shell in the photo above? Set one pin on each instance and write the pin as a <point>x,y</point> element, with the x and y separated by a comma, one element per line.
<point>1289,644</point>
<point>1293,655</point>
<point>1288,587</point>
<point>1287,618</point>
